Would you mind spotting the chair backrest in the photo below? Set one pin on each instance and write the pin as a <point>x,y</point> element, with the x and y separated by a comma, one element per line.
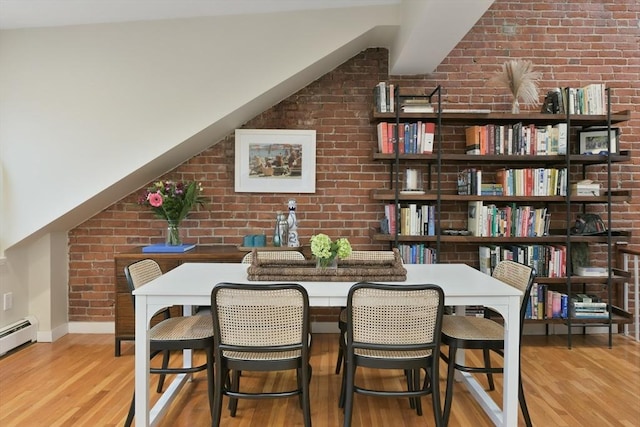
<point>520,276</point>
<point>273,255</point>
<point>395,317</point>
<point>260,317</point>
<point>140,273</point>
<point>371,256</point>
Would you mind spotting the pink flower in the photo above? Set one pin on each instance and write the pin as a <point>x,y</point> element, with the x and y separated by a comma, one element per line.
<point>155,199</point>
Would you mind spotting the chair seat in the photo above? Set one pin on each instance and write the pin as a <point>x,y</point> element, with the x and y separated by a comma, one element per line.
<point>182,328</point>
<point>472,328</point>
<point>275,355</point>
<point>385,354</point>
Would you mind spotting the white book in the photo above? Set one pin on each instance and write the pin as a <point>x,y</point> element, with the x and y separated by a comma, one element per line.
<point>562,138</point>
<point>592,271</point>
<point>474,215</point>
<point>484,256</point>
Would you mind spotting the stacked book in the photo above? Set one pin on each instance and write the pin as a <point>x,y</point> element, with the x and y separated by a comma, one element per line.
<point>588,307</point>
<point>416,105</point>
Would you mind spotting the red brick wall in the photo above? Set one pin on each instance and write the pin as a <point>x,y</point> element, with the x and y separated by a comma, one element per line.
<point>571,43</point>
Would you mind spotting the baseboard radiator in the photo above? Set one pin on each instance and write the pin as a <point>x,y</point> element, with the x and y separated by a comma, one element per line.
<point>18,333</point>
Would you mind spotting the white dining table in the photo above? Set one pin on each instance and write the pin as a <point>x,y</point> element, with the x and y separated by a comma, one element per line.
<point>190,284</point>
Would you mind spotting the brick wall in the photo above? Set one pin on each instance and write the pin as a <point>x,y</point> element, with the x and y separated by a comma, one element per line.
<point>571,43</point>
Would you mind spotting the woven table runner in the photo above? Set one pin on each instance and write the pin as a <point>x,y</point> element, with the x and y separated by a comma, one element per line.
<point>348,270</point>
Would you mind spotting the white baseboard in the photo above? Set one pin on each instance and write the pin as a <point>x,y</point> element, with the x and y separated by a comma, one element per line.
<point>92,327</point>
<point>325,327</point>
<point>316,328</point>
<point>53,335</point>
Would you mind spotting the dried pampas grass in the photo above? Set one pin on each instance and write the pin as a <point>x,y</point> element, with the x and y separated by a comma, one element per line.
<point>518,76</point>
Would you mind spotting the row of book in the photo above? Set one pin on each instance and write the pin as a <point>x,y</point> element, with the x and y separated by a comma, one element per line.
<point>384,97</point>
<point>417,253</point>
<point>590,99</point>
<point>413,138</point>
<point>514,182</point>
<point>516,139</point>
<point>507,221</point>
<point>545,303</point>
<point>546,260</point>
<point>413,220</point>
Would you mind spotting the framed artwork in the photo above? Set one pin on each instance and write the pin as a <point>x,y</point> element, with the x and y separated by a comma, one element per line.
<point>275,161</point>
<point>594,141</point>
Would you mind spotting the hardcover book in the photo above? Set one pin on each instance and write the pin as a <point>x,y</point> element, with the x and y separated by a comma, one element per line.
<point>162,248</point>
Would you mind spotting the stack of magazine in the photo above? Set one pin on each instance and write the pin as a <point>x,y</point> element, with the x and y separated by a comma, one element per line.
<point>588,307</point>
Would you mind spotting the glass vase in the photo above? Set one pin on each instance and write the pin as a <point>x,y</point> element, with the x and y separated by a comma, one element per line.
<point>173,234</point>
<point>515,106</point>
<point>327,263</point>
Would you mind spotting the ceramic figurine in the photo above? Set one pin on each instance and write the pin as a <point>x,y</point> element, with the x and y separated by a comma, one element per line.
<point>292,221</point>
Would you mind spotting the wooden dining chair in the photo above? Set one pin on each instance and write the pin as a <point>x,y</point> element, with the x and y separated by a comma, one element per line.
<point>360,256</point>
<point>273,255</point>
<point>172,334</point>
<point>394,327</point>
<point>260,327</point>
<point>471,332</point>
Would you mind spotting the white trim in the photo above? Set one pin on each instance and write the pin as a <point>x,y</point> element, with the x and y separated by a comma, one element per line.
<point>56,333</point>
<point>92,327</point>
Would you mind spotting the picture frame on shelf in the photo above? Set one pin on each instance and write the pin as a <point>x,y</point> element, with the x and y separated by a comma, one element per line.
<point>275,161</point>
<point>594,141</point>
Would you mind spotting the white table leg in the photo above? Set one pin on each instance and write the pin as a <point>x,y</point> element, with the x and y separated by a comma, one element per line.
<point>142,362</point>
<point>508,415</point>
<point>511,364</point>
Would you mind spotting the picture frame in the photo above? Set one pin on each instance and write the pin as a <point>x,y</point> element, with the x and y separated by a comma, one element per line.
<point>275,161</point>
<point>594,141</point>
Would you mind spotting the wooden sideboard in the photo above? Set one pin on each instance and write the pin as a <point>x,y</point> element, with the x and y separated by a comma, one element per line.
<point>124,313</point>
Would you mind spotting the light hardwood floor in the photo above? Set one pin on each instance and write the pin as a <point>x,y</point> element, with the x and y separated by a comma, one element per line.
<point>77,381</point>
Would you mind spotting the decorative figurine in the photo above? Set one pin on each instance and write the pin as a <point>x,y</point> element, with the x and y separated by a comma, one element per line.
<point>292,221</point>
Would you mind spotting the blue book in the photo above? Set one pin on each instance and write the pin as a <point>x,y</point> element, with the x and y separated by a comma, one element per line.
<point>163,248</point>
<point>564,306</point>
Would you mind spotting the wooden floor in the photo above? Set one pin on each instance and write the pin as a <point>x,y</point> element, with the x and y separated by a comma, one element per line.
<point>77,381</point>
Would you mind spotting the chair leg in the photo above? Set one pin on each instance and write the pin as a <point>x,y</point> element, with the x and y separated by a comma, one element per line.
<point>235,386</point>
<point>340,355</point>
<point>487,364</point>
<point>210,375</point>
<point>523,403</point>
<point>434,377</point>
<point>220,376</point>
<point>131,413</point>
<point>305,379</point>
<point>451,369</point>
<point>416,386</point>
<point>408,374</point>
<point>165,365</point>
<point>348,405</point>
<point>343,386</point>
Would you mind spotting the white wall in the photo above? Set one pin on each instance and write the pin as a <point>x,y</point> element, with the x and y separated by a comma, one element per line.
<point>83,107</point>
<point>90,113</point>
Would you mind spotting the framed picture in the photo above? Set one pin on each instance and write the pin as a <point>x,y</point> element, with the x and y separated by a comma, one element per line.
<point>275,161</point>
<point>594,141</point>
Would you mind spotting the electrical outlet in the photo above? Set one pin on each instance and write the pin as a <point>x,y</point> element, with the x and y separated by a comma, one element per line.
<point>7,301</point>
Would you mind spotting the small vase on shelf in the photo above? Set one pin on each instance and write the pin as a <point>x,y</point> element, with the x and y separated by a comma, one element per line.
<point>173,234</point>
<point>515,106</point>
